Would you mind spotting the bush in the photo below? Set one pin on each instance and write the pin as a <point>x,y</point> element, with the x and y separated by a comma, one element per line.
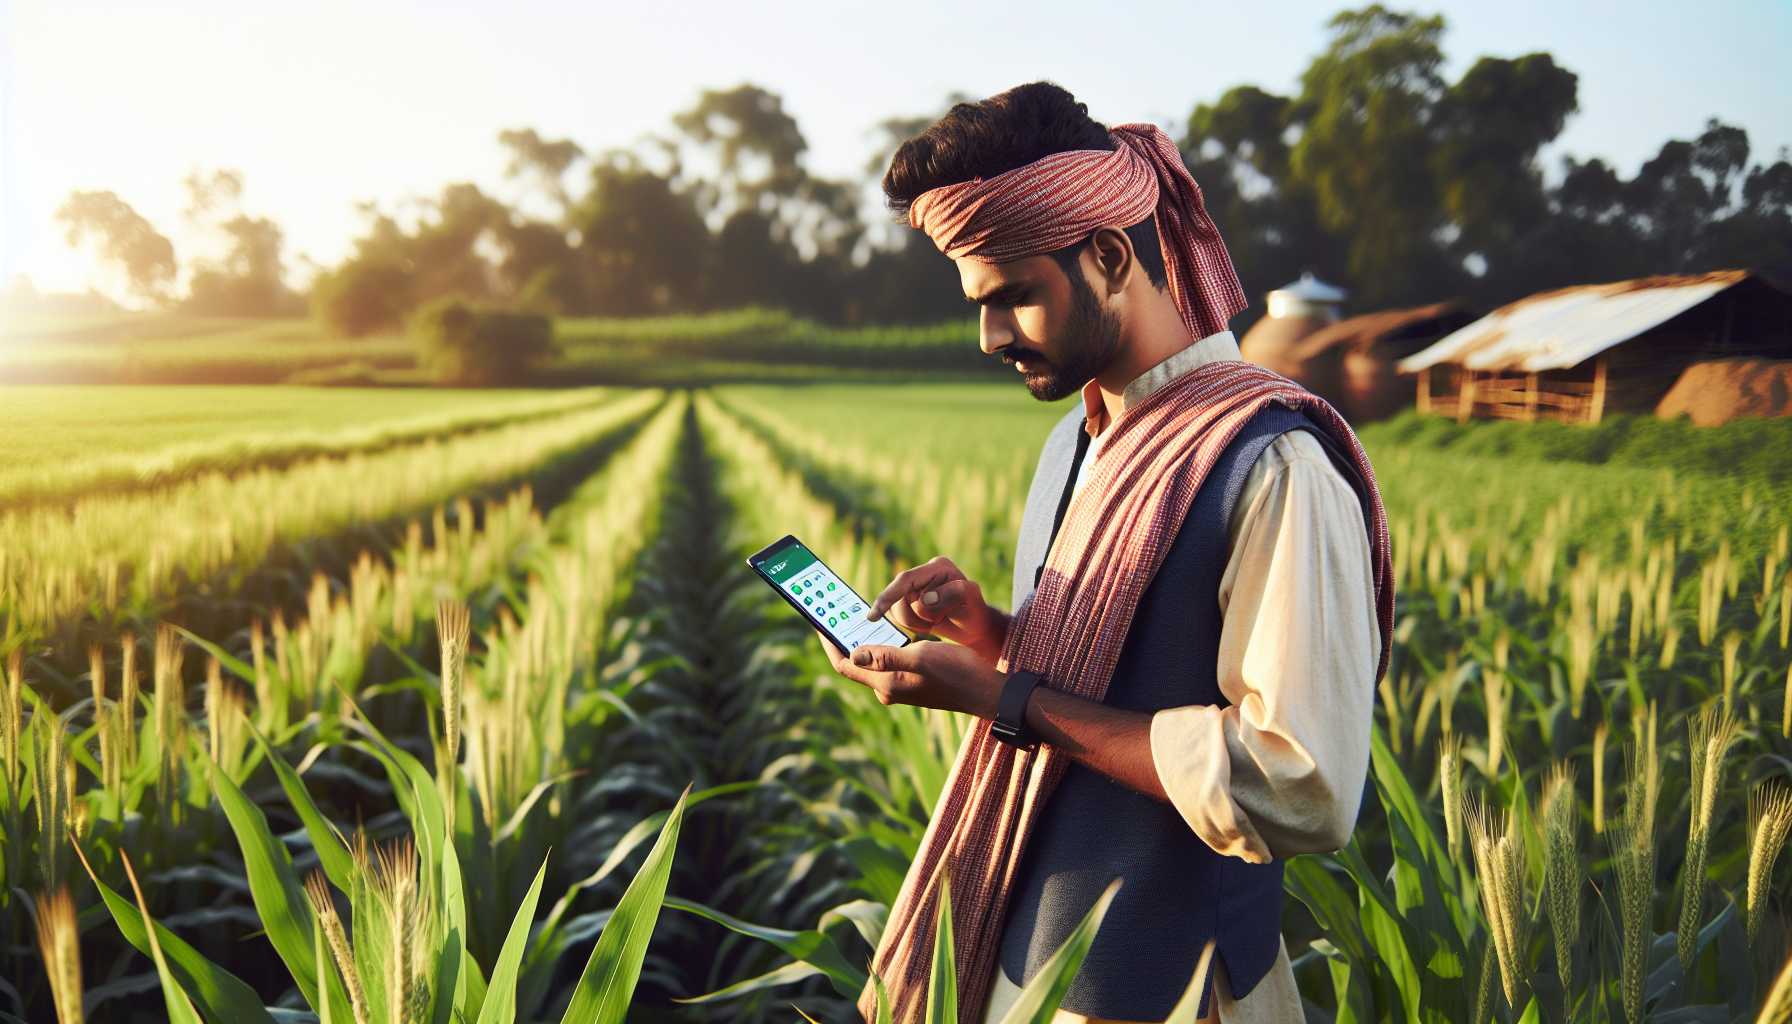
<point>473,345</point>
<point>362,297</point>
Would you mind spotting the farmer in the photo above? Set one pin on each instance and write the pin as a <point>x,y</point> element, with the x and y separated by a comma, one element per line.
<point>1181,697</point>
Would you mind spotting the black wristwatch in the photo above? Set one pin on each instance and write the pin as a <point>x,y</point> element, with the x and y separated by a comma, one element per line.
<point>1010,724</point>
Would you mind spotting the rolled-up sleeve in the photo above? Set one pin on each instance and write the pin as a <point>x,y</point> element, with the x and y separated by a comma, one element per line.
<point>1280,770</point>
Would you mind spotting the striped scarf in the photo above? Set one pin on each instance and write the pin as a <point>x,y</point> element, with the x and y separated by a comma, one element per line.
<point>1116,532</point>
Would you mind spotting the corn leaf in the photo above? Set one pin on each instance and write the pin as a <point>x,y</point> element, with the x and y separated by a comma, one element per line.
<point>221,996</point>
<point>942,988</point>
<point>1188,1009</point>
<point>808,946</point>
<point>500,994</point>
<point>608,981</point>
<point>1038,1001</point>
<point>180,1008</point>
<point>332,852</point>
<point>274,887</point>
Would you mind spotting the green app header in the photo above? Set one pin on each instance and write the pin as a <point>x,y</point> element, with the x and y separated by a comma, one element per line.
<point>787,563</point>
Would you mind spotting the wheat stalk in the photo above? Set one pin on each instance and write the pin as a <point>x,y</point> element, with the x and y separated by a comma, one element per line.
<point>1709,735</point>
<point>170,708</point>
<point>59,939</point>
<point>1769,821</point>
<point>1561,866</point>
<point>1499,864</point>
<point>129,693</point>
<point>317,890</point>
<point>1732,643</point>
<point>1600,733</point>
<point>1632,841</point>
<point>1449,776</point>
<point>1494,682</point>
<point>55,783</point>
<point>12,722</point>
<point>453,619</point>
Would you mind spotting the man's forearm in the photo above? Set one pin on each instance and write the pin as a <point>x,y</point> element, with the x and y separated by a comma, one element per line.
<point>1114,742</point>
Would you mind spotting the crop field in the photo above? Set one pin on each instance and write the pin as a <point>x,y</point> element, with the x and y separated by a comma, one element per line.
<point>747,344</point>
<point>391,706</point>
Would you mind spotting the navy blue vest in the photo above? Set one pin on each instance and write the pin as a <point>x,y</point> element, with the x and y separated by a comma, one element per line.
<point>1176,892</point>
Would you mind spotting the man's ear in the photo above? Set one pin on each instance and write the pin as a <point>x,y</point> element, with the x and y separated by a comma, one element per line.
<point>1115,261</point>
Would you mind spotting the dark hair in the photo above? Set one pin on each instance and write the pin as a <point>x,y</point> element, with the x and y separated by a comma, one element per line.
<point>1005,131</point>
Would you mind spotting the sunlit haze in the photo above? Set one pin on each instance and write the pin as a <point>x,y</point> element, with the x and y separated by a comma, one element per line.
<point>321,106</point>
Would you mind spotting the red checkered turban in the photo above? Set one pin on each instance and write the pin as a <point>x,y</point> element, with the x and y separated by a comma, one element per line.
<point>1060,198</point>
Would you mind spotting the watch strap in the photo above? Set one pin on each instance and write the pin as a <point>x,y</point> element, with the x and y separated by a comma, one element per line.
<point>1010,724</point>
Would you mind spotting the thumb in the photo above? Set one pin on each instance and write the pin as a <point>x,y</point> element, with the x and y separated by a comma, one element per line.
<point>882,657</point>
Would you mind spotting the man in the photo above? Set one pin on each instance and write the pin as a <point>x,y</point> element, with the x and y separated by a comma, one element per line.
<point>1203,598</point>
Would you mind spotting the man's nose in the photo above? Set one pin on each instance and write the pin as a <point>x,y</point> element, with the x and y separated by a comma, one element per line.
<point>993,332</point>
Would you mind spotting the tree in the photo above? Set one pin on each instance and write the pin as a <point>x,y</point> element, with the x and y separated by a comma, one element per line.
<point>394,269</point>
<point>811,225</point>
<point>1237,149</point>
<point>124,238</point>
<point>250,278</point>
<point>643,246</point>
<point>1489,127</point>
<point>1365,111</point>
<point>541,161</point>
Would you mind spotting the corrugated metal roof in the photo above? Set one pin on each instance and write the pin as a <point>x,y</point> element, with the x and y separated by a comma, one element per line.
<point>1311,289</point>
<point>1557,329</point>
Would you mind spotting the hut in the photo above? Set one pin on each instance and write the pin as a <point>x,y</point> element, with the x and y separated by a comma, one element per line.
<point>1296,310</point>
<point>1577,353</point>
<point>1351,363</point>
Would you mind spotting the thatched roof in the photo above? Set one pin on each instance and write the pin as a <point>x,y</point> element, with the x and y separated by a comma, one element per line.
<point>1372,329</point>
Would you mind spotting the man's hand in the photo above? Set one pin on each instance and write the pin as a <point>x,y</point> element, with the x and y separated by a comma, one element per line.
<point>938,598</point>
<point>927,674</point>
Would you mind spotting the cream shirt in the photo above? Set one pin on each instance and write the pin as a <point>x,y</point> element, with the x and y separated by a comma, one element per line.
<point>1280,770</point>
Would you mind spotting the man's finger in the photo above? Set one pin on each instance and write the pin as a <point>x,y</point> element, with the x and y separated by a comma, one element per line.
<point>922,577</point>
<point>884,658</point>
<point>900,615</point>
<point>946,598</point>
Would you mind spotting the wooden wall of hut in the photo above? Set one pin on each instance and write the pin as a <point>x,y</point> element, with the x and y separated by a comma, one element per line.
<point>1576,395</point>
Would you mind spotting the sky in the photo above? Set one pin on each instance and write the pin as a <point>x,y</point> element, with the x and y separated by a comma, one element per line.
<point>327,104</point>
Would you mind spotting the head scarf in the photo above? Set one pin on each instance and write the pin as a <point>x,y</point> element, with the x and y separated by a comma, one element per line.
<point>1060,198</point>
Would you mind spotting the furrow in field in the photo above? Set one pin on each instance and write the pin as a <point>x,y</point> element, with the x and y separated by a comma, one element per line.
<point>759,701</point>
<point>727,705</point>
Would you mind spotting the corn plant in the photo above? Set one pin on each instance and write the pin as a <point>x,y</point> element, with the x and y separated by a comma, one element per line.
<point>399,957</point>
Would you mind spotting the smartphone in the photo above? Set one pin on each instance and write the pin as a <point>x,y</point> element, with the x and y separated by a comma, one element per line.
<point>808,585</point>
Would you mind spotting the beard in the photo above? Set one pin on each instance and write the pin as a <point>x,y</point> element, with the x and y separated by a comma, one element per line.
<point>1093,339</point>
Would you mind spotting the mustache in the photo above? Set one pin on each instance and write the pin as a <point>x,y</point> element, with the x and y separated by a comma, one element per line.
<point>1010,358</point>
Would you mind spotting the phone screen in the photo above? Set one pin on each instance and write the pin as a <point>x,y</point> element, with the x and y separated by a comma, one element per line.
<point>822,596</point>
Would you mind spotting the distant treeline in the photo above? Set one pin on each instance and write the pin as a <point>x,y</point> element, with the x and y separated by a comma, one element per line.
<point>1376,172</point>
